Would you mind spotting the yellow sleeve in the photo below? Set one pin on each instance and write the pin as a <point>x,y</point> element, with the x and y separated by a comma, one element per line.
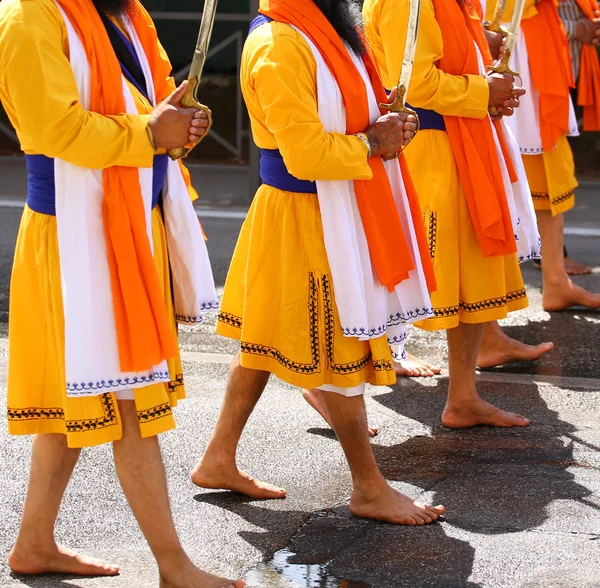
<point>38,89</point>
<point>530,10</point>
<point>430,87</point>
<point>280,76</point>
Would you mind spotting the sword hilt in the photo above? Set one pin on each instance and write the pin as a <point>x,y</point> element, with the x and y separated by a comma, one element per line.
<point>189,100</point>
<point>399,105</point>
<point>495,27</point>
<point>503,67</point>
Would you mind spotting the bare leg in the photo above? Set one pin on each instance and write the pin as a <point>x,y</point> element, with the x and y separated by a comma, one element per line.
<point>141,473</point>
<point>498,348</point>
<point>373,497</point>
<point>413,367</point>
<point>217,469</point>
<point>559,292</point>
<point>315,398</point>
<point>465,408</point>
<point>35,551</point>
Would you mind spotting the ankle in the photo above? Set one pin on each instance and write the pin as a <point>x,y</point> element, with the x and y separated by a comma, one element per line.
<point>216,456</point>
<point>172,562</point>
<point>35,541</point>
<point>369,488</point>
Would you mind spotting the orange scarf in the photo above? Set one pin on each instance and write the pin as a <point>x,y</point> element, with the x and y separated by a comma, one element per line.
<point>550,63</point>
<point>589,75</point>
<point>474,22</point>
<point>387,244</point>
<point>472,140</point>
<point>144,333</point>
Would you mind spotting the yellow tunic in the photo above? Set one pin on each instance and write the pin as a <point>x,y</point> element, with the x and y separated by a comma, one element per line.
<point>278,299</point>
<point>551,175</point>
<point>38,90</point>
<point>471,288</point>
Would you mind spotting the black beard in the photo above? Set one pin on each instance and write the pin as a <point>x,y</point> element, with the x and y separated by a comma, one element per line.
<point>112,7</point>
<point>345,16</point>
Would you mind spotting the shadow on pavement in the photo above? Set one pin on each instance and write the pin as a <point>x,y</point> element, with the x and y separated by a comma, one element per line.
<point>491,480</point>
<point>332,549</point>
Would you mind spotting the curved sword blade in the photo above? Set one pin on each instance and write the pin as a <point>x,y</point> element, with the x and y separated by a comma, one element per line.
<point>410,47</point>
<point>206,27</point>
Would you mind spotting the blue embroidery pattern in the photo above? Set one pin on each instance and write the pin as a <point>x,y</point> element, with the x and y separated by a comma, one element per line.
<point>393,321</point>
<point>196,319</point>
<point>84,388</point>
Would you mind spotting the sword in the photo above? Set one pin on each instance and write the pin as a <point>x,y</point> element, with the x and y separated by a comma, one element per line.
<point>503,65</point>
<point>494,24</point>
<point>190,98</point>
<point>410,47</point>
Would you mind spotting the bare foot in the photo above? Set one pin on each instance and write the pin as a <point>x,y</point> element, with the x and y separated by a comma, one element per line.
<point>390,506</point>
<point>225,476</point>
<point>28,561</point>
<point>498,349</point>
<point>315,399</point>
<point>574,268</point>
<point>566,295</point>
<point>413,367</point>
<point>189,576</point>
<point>480,412</point>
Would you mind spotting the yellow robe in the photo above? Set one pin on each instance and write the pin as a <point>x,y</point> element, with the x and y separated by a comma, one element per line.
<point>551,175</point>
<point>39,93</point>
<point>471,288</point>
<point>278,299</point>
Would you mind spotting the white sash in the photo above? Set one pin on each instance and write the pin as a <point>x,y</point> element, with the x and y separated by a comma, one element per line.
<point>518,194</point>
<point>366,309</point>
<point>91,350</point>
<point>525,122</point>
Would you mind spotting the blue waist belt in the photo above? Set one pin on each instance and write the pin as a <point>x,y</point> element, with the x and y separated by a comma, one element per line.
<point>274,173</point>
<point>41,194</point>
<point>429,119</point>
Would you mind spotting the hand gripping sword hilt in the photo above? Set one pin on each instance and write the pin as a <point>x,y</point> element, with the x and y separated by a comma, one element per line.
<point>399,105</point>
<point>495,28</point>
<point>189,101</point>
<point>503,67</point>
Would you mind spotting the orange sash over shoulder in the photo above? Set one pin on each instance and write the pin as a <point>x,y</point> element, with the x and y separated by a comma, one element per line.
<point>144,332</point>
<point>475,24</point>
<point>550,63</point>
<point>588,87</point>
<point>472,140</point>
<point>387,244</point>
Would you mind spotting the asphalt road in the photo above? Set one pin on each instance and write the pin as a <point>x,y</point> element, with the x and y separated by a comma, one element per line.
<point>523,506</point>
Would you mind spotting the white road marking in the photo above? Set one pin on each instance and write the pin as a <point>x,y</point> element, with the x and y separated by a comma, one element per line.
<point>568,383</point>
<point>201,212</point>
<point>241,215</point>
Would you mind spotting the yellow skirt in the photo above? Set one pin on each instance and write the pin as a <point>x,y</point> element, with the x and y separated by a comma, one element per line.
<point>471,288</point>
<point>552,178</point>
<point>37,399</point>
<point>279,300</point>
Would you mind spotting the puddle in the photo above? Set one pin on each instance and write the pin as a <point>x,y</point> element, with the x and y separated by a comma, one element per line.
<point>280,573</point>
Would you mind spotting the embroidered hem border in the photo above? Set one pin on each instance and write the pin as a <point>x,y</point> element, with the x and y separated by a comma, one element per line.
<point>316,296</point>
<point>481,305</point>
<point>78,389</point>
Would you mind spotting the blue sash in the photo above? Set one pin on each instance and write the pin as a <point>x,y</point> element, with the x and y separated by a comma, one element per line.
<point>41,193</point>
<point>261,19</point>
<point>428,119</point>
<point>273,171</point>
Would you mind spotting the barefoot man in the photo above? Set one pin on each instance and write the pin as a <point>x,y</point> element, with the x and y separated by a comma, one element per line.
<point>93,346</point>
<point>462,174</point>
<point>316,290</point>
<point>541,126</point>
